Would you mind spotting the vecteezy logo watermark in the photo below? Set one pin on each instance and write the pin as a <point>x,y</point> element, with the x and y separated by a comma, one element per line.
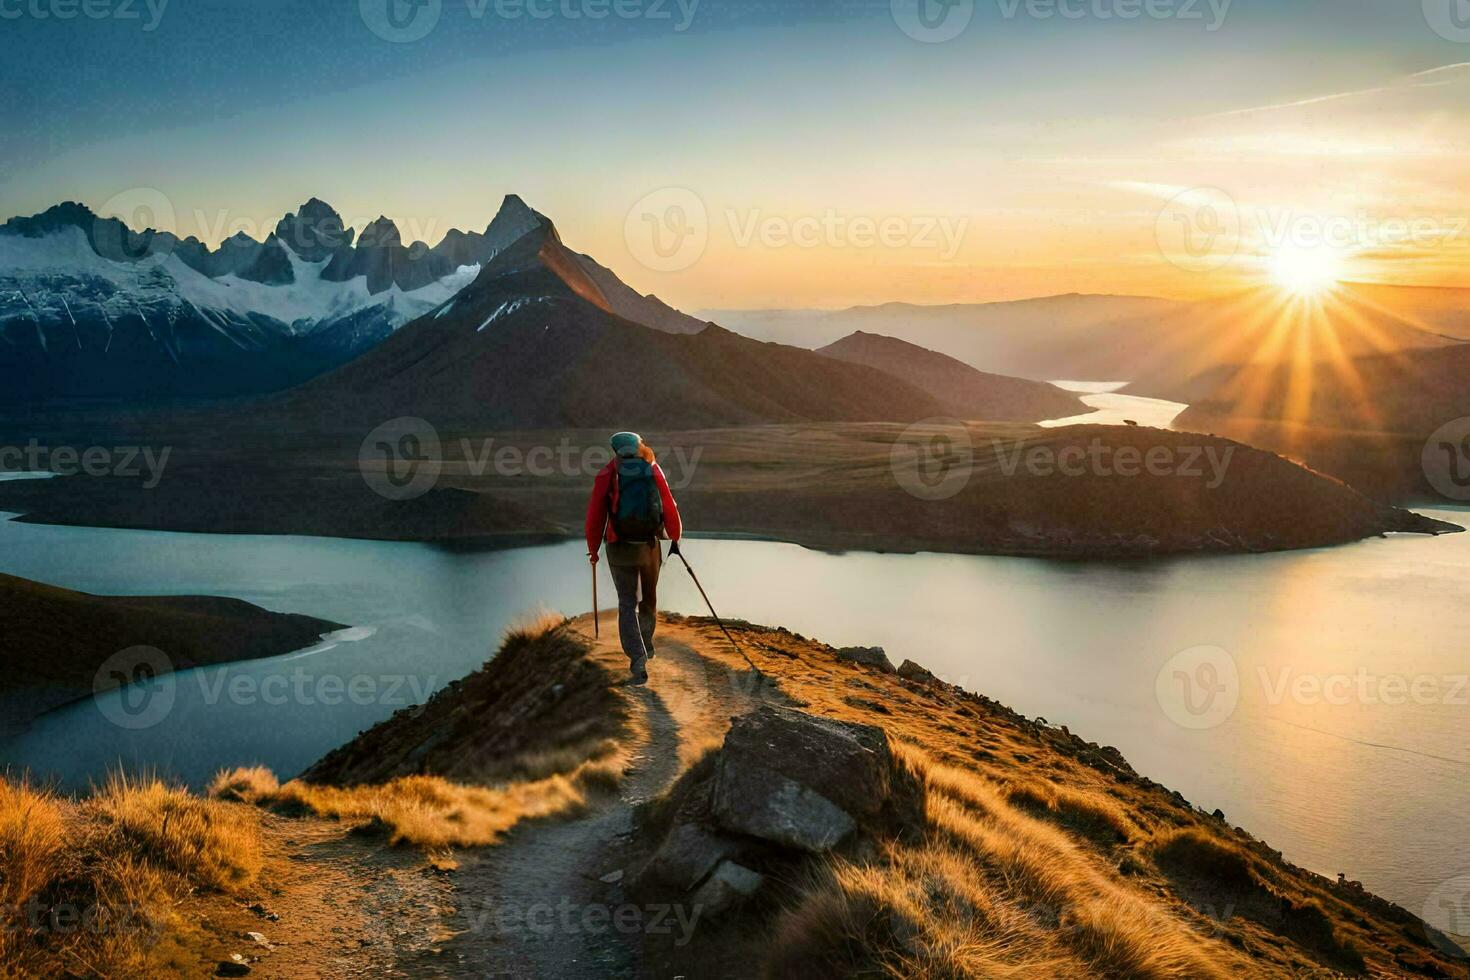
<point>401,459</point>
<point>1447,914</point>
<point>405,21</point>
<point>1099,459</point>
<point>143,680</point>
<point>404,458</point>
<point>1450,19</point>
<point>1199,229</point>
<point>401,21</point>
<point>1446,459</point>
<point>668,229</point>
<point>305,688</point>
<point>139,209</point>
<point>568,918</point>
<point>1363,687</point>
<point>565,459</point>
<point>832,229</point>
<point>137,688</point>
<point>1187,10</point>
<point>39,918</point>
<point>97,461</point>
<point>932,21</point>
<point>89,9</point>
<point>933,459</point>
<point>1198,688</point>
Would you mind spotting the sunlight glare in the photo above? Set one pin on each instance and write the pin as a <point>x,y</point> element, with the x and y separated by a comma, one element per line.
<point>1305,271</point>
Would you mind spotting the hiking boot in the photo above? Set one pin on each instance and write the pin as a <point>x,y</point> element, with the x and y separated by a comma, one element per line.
<point>639,679</point>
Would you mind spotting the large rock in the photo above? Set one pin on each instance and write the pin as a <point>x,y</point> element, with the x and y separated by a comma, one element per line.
<point>911,671</point>
<point>730,885</point>
<point>871,656</point>
<point>686,856</point>
<point>800,780</point>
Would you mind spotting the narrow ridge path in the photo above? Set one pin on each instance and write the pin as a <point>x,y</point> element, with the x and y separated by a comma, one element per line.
<point>534,906</point>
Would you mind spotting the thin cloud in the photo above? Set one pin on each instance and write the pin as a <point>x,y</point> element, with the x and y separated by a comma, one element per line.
<point>1403,83</point>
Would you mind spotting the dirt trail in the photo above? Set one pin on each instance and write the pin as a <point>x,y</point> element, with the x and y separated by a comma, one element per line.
<point>337,907</point>
<point>534,906</point>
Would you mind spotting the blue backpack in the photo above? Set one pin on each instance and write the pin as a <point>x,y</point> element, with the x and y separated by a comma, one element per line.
<point>640,510</point>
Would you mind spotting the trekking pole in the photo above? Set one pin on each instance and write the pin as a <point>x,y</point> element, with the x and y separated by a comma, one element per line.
<point>596,624</point>
<point>674,550</point>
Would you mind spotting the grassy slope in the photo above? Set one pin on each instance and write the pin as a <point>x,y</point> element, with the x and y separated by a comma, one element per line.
<point>1039,853</point>
<point>54,640</point>
<point>1043,854</point>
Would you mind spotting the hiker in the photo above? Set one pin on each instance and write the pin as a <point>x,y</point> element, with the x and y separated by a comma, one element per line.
<point>631,508</point>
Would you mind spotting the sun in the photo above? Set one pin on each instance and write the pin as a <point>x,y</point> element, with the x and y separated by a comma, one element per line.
<point>1306,271</point>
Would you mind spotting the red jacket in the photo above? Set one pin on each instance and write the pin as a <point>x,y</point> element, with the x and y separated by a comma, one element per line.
<point>604,501</point>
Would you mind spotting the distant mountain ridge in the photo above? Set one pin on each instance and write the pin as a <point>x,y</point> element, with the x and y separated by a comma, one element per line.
<point>91,309</point>
<point>971,394</point>
<point>537,341</point>
<point>1164,348</point>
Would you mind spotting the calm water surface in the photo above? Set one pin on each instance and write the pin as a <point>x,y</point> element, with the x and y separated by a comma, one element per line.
<point>1369,775</point>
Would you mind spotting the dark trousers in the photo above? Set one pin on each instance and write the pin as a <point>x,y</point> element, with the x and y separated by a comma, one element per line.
<point>635,568</point>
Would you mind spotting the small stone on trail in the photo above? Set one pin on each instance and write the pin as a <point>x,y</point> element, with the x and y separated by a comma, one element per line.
<point>235,966</point>
<point>612,877</point>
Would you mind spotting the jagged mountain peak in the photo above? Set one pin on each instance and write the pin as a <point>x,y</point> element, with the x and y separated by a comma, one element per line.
<point>381,233</point>
<point>315,231</point>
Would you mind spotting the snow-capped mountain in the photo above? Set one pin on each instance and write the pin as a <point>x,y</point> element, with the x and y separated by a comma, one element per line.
<point>90,309</point>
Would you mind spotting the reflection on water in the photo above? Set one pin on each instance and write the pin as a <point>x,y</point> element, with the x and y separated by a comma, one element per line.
<point>1345,743</point>
<point>1111,407</point>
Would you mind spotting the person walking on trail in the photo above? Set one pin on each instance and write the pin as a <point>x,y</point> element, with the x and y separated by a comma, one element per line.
<point>631,508</point>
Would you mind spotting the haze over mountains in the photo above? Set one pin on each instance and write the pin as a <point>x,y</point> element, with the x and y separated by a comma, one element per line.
<point>1164,348</point>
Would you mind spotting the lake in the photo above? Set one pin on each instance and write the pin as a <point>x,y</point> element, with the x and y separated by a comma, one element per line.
<point>1111,406</point>
<point>1343,741</point>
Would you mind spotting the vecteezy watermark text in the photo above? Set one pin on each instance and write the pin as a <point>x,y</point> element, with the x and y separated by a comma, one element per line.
<point>1201,687</point>
<point>1099,459</point>
<point>146,688</point>
<point>406,21</point>
<point>593,918</point>
<point>935,459</point>
<point>86,9</point>
<point>405,457</point>
<point>668,230</point>
<point>935,21</point>
<point>98,461</point>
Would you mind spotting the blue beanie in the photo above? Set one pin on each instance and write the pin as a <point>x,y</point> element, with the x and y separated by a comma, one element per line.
<point>626,444</point>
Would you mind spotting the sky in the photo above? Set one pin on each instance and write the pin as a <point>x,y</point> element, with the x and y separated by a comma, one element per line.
<point>781,154</point>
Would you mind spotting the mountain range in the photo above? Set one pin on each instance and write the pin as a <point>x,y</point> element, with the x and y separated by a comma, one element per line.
<point>93,310</point>
<point>544,337</point>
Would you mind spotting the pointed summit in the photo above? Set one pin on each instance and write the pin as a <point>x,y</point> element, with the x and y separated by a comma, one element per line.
<point>315,231</point>
<point>513,221</point>
<point>381,233</point>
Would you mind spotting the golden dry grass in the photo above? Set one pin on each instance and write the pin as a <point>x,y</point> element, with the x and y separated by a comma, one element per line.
<point>87,887</point>
<point>429,811</point>
<point>555,778</point>
<point>1040,854</point>
<point>989,891</point>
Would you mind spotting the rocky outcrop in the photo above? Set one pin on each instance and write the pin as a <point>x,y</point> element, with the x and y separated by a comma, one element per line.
<point>911,671</point>
<point>800,780</point>
<point>871,656</point>
<point>785,785</point>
